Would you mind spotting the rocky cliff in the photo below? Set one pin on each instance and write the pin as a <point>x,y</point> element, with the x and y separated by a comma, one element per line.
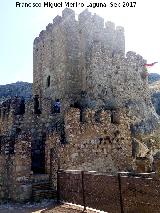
<point>153,77</point>
<point>19,88</point>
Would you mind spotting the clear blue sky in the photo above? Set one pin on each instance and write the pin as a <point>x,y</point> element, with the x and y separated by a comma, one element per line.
<point>19,27</point>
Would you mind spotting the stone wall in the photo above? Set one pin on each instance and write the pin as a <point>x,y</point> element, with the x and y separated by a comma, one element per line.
<point>126,193</point>
<point>17,142</point>
<point>15,171</point>
<point>101,143</point>
<point>2,178</point>
<point>104,140</point>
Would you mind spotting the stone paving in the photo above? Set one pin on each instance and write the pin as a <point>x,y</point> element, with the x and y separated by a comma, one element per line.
<point>43,207</point>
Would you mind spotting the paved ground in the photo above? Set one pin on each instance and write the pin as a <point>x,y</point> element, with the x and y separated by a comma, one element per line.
<point>65,209</point>
<point>43,207</point>
<point>25,208</point>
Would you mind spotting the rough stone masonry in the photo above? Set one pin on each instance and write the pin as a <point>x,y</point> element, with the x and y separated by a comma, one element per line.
<point>106,121</point>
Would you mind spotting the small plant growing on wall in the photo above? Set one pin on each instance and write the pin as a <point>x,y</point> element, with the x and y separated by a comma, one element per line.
<point>144,73</point>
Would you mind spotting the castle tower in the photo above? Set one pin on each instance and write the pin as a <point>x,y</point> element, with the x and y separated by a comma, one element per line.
<point>71,57</point>
<point>62,53</point>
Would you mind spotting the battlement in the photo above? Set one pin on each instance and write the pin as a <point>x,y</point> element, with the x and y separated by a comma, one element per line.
<point>49,27</point>
<point>133,57</point>
<point>85,15</point>
<point>95,117</point>
<point>110,26</point>
<point>67,12</point>
<point>85,19</point>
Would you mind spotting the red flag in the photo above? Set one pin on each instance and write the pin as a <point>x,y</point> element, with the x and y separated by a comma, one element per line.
<point>150,65</point>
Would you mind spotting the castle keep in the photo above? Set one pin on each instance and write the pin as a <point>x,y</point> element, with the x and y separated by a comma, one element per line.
<point>78,43</point>
<point>106,120</point>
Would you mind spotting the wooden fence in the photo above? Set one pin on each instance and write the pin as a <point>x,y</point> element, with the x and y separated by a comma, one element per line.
<point>122,193</point>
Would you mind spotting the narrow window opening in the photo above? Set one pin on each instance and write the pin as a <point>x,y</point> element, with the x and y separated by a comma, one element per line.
<point>4,114</point>
<point>48,81</point>
<point>81,115</point>
<point>36,105</point>
<point>18,130</point>
<point>112,117</point>
<point>97,116</point>
<point>20,106</point>
<point>0,144</point>
<point>11,147</point>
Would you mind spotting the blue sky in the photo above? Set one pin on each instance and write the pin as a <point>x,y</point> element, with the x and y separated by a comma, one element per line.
<point>19,27</point>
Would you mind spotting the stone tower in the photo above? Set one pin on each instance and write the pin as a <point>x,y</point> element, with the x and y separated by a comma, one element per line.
<point>63,54</point>
<point>87,55</point>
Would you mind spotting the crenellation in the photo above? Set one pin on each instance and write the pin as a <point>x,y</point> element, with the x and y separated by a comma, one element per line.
<point>98,22</point>
<point>120,29</point>
<point>119,40</point>
<point>133,57</point>
<point>84,15</point>
<point>42,34</point>
<point>36,40</point>
<point>68,13</point>
<point>49,27</point>
<point>57,20</point>
<point>110,26</point>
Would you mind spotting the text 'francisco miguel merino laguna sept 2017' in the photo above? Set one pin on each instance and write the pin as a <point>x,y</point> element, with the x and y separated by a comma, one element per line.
<point>48,4</point>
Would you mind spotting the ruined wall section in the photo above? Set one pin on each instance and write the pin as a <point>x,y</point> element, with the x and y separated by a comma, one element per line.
<point>97,145</point>
<point>7,116</point>
<point>119,81</point>
<point>15,169</point>
<point>52,157</point>
<point>21,187</point>
<point>6,122</point>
